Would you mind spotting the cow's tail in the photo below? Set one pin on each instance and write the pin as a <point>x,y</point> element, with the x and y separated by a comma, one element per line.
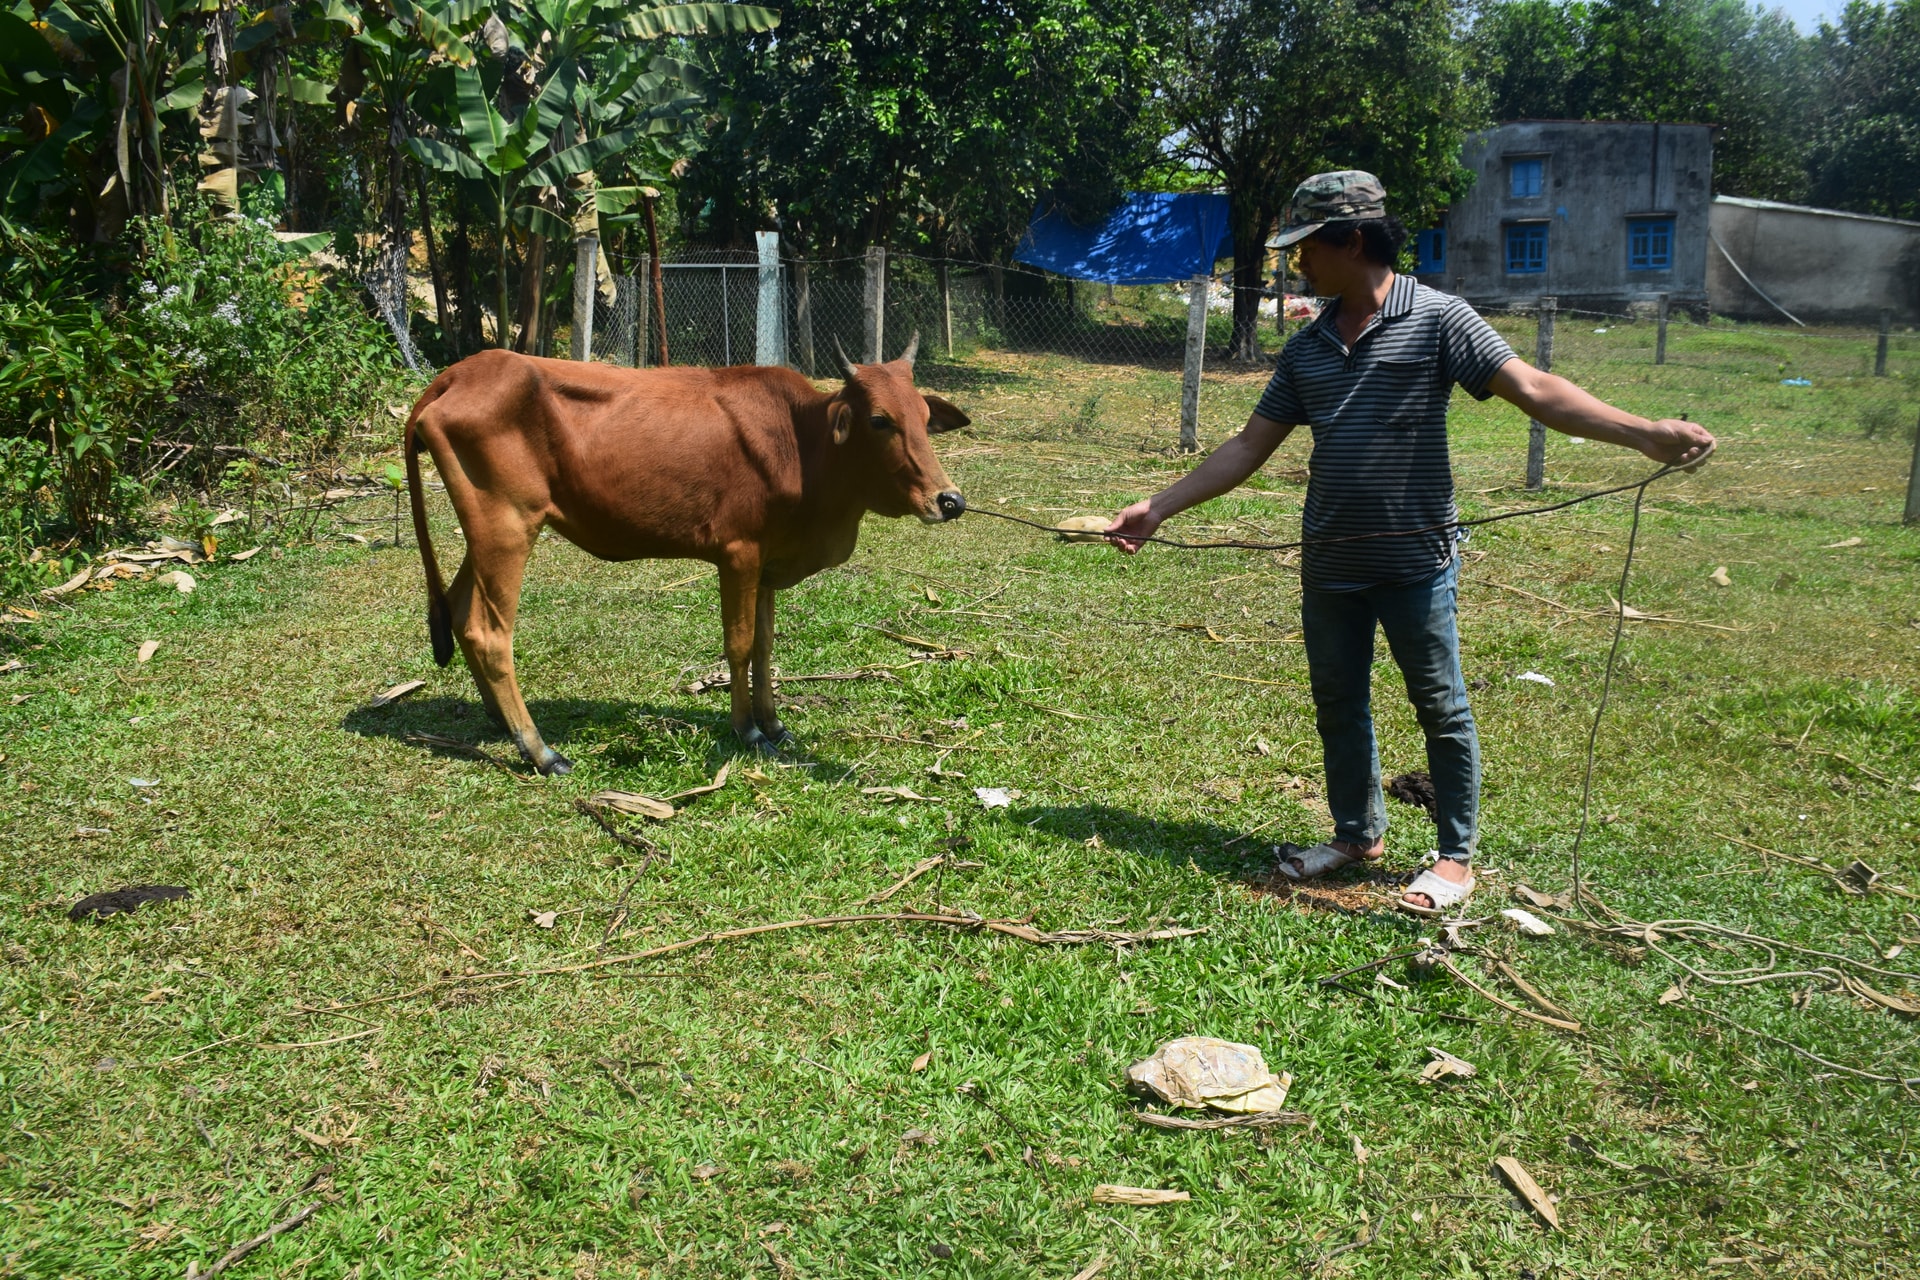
<point>439,614</point>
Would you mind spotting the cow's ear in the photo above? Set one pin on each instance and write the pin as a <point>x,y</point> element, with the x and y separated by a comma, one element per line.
<point>943,416</point>
<point>840,418</point>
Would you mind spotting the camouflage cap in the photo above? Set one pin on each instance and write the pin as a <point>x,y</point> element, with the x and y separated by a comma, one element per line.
<point>1346,195</point>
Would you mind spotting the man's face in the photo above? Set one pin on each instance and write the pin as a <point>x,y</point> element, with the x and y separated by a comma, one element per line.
<point>1323,266</point>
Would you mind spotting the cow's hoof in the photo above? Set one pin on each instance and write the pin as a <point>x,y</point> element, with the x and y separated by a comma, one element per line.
<point>754,740</point>
<point>556,765</point>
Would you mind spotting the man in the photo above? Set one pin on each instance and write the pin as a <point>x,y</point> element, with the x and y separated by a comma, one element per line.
<point>1372,377</point>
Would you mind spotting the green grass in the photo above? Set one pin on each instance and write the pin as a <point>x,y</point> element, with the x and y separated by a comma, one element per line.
<point>478,1132</point>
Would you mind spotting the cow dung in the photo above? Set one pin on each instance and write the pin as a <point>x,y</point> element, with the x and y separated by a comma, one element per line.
<point>115,901</point>
<point>1415,789</point>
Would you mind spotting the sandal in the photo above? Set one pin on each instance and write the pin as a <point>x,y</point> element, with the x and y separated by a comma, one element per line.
<point>1298,864</point>
<point>1441,892</point>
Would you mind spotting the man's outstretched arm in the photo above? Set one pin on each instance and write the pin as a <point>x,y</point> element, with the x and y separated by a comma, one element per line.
<point>1224,470</point>
<point>1567,409</point>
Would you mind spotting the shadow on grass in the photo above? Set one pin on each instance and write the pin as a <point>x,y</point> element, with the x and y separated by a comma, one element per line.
<point>1217,850</point>
<point>604,729</point>
<point>964,378</point>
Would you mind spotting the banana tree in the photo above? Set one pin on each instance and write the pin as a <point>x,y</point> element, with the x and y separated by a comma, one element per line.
<point>498,158</point>
<point>96,83</point>
<point>572,71</point>
<point>249,64</point>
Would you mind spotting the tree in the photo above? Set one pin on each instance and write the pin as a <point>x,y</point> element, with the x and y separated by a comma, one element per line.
<point>1722,62</point>
<point>570,92</point>
<point>1866,153</point>
<point>921,123</point>
<point>1262,93</point>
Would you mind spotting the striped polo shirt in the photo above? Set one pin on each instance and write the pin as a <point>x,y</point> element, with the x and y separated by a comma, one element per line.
<point>1379,419</point>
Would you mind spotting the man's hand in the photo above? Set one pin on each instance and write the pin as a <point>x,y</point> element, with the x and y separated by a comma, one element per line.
<point>1675,442</point>
<point>1138,520</point>
<point>1566,408</point>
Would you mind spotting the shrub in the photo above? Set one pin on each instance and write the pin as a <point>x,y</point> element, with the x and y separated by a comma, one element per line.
<point>203,333</point>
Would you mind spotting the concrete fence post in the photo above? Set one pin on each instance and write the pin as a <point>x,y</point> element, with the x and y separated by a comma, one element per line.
<point>1537,430</point>
<point>803,315</point>
<point>1880,350</point>
<point>1196,355</point>
<point>946,307</point>
<point>586,268</point>
<point>643,282</point>
<point>769,317</point>
<point>875,302</point>
<point>1913,483</point>
<point>1660,338</point>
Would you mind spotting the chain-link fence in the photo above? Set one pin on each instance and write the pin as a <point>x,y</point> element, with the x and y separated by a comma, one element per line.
<point>1811,413</point>
<point>958,308</point>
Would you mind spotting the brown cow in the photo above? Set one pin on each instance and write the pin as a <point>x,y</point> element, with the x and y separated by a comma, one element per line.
<point>748,468</point>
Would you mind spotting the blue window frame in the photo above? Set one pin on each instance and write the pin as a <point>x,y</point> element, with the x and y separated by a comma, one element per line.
<point>1430,251</point>
<point>1526,178</point>
<point>1650,244</point>
<point>1526,248</point>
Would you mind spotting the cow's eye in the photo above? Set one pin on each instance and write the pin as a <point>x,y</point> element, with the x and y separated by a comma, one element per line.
<point>881,422</point>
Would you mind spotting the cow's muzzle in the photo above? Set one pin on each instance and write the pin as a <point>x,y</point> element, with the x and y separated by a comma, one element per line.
<point>952,505</point>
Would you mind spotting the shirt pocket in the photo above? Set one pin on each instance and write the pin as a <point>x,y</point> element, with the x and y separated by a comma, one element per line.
<point>1404,386</point>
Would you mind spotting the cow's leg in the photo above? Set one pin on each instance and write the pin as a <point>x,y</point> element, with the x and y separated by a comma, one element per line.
<point>483,621</point>
<point>739,599</point>
<point>764,713</point>
<point>459,600</point>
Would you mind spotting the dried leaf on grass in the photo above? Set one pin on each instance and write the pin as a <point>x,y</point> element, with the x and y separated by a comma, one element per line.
<point>1258,1120</point>
<point>1673,995</point>
<point>397,692</point>
<point>1542,901</point>
<point>147,650</point>
<point>1902,1005</point>
<point>72,584</point>
<point>1110,1193</point>
<point>543,919</point>
<point>920,1063</point>
<point>248,554</point>
<point>180,580</point>
<point>705,788</point>
<point>1445,1064</point>
<point>896,793</point>
<point>632,802</point>
<point>1515,1175</point>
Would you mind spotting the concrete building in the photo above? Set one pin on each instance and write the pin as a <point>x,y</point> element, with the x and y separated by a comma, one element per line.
<point>1771,261</point>
<point>1599,215</point>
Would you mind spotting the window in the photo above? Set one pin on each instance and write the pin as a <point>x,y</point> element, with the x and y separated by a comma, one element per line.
<point>1526,178</point>
<point>1650,244</point>
<point>1526,247</point>
<point>1430,251</point>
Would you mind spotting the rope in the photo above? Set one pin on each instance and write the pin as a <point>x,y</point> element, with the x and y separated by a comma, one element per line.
<point>1639,489</point>
<point>1235,544</point>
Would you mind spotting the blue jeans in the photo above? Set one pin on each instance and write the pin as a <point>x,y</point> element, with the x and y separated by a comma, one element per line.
<point>1421,633</point>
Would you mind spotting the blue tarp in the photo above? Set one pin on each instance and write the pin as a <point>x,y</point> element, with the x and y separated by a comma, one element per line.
<point>1153,238</point>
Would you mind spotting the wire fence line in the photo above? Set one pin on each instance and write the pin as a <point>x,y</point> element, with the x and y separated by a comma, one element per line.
<point>716,307</point>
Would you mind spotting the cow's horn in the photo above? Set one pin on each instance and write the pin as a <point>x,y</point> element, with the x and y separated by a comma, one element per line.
<point>844,362</point>
<point>913,348</point>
